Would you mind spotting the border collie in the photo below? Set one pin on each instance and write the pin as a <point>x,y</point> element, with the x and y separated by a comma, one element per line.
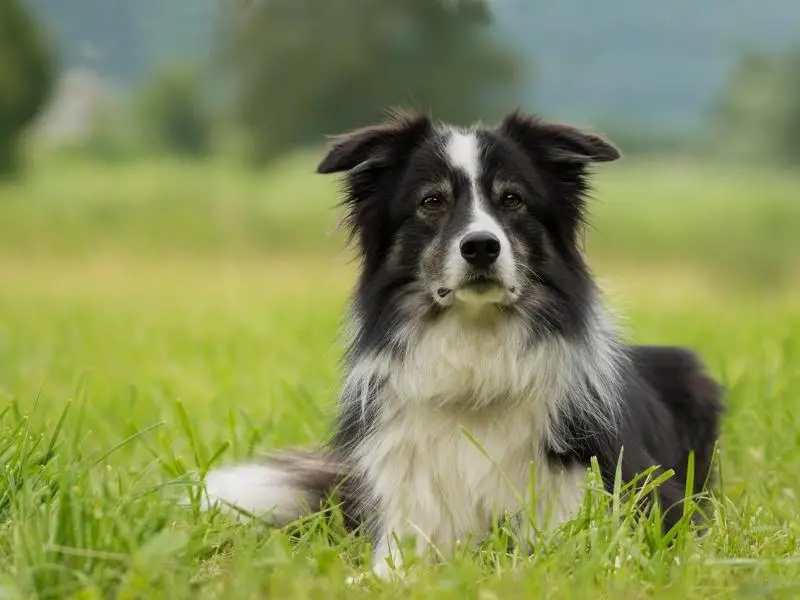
<point>482,363</point>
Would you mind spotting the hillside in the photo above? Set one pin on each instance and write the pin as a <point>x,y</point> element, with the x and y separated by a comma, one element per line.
<point>659,63</point>
<point>655,64</point>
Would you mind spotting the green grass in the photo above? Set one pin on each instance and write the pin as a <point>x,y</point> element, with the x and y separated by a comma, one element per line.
<point>742,224</point>
<point>139,347</point>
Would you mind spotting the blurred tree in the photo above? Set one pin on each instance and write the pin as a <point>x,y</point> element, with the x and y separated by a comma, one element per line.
<point>26,78</point>
<point>303,68</point>
<point>173,112</point>
<point>757,116</point>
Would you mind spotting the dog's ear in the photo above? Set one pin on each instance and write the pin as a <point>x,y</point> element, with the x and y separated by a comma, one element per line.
<point>376,143</point>
<point>556,142</point>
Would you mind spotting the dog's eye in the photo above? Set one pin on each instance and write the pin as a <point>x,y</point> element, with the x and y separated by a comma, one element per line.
<point>431,204</point>
<point>511,200</point>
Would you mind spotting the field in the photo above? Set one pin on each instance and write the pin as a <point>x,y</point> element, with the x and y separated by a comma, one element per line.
<point>159,317</point>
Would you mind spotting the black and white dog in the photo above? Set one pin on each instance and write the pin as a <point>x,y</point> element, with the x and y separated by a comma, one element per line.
<point>482,363</point>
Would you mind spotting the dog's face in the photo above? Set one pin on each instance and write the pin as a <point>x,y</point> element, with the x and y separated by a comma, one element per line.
<point>474,217</point>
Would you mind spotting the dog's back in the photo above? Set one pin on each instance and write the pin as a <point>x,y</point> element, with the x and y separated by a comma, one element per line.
<point>674,410</point>
<point>692,397</point>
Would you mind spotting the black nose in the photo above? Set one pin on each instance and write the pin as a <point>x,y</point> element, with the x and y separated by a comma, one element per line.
<point>480,248</point>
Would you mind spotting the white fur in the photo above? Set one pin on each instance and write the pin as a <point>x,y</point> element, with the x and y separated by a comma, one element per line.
<point>257,489</point>
<point>442,477</point>
<point>463,152</point>
<point>461,379</point>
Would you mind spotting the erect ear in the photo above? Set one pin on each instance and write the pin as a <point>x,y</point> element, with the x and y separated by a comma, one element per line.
<point>376,143</point>
<point>558,142</point>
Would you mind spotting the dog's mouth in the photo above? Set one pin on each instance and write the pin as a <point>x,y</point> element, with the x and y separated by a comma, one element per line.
<point>479,289</point>
<point>481,284</point>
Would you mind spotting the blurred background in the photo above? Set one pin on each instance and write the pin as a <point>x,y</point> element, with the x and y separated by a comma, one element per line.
<point>191,129</point>
<point>171,266</point>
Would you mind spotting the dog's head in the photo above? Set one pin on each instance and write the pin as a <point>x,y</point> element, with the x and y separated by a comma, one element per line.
<point>472,216</point>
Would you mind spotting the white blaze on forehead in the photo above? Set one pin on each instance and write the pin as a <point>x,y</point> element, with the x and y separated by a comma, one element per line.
<point>464,152</point>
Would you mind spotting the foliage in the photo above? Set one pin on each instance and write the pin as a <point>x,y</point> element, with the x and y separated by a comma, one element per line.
<point>591,60</point>
<point>758,112</point>
<point>304,68</point>
<point>174,113</point>
<point>26,78</point>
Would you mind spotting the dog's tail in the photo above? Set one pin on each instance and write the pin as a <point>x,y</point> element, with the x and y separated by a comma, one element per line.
<point>278,489</point>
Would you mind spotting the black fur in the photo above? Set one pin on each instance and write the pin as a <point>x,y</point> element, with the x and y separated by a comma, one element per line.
<point>672,409</point>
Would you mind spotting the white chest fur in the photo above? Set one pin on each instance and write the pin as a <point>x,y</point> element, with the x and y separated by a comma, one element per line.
<point>462,424</point>
<point>443,478</point>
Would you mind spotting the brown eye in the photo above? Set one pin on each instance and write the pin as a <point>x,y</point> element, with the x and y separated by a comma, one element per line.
<point>431,204</point>
<point>511,200</point>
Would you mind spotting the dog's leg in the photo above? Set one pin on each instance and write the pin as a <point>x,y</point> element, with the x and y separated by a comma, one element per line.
<point>522,527</point>
<point>559,501</point>
<point>387,558</point>
<point>387,561</point>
